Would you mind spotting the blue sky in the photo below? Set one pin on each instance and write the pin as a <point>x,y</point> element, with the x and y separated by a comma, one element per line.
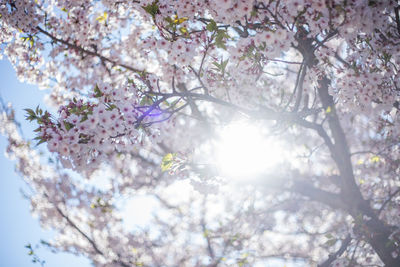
<point>17,226</point>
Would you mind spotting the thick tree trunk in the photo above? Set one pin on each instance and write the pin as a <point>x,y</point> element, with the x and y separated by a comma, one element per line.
<point>376,232</point>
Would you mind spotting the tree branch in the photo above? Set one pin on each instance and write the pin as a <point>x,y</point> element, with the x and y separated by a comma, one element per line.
<point>315,194</point>
<point>334,256</point>
<point>92,243</point>
<point>88,52</point>
<point>377,233</point>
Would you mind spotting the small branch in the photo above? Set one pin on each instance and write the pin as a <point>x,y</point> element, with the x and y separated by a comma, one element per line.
<point>337,254</point>
<point>299,86</point>
<point>295,85</point>
<point>388,200</point>
<point>92,243</point>
<point>285,61</point>
<point>197,74</point>
<point>205,232</point>
<point>88,52</point>
<point>396,13</point>
<point>151,108</point>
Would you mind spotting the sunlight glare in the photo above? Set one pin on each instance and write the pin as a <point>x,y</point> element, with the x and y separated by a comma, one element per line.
<point>245,151</point>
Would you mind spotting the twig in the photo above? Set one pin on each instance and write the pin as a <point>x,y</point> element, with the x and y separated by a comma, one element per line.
<point>88,52</point>
<point>334,256</point>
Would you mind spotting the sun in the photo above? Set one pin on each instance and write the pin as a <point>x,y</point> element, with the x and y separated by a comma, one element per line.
<point>246,150</point>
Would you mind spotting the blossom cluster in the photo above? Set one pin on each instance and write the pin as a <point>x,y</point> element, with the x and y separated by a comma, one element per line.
<point>134,81</point>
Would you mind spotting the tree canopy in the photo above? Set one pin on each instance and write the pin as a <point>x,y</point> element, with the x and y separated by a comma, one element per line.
<point>239,131</point>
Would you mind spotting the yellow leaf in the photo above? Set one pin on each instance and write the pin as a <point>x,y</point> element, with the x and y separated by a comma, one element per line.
<point>328,109</point>
<point>178,21</point>
<point>134,250</point>
<point>183,30</point>
<point>223,259</point>
<point>361,181</point>
<point>103,17</point>
<point>360,162</point>
<point>181,20</point>
<point>206,233</point>
<point>167,162</point>
<point>375,159</point>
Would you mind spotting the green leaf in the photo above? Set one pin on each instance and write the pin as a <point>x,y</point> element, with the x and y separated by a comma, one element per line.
<point>216,64</point>
<point>31,114</point>
<point>146,100</point>
<point>68,125</point>
<point>169,20</point>
<point>152,9</point>
<point>212,26</point>
<point>97,92</point>
<point>389,243</point>
<point>206,233</point>
<point>253,13</point>
<point>41,141</point>
<point>38,110</point>
<point>220,38</point>
<point>84,117</point>
<point>331,242</point>
<point>329,236</point>
<point>30,111</point>
<point>223,65</point>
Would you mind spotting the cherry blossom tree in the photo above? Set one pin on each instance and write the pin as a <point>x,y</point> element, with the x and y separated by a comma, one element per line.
<point>142,91</point>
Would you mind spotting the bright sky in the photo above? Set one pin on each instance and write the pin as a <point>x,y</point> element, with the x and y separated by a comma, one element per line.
<point>17,226</point>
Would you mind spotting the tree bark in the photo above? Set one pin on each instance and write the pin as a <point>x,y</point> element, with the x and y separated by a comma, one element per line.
<point>375,231</point>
